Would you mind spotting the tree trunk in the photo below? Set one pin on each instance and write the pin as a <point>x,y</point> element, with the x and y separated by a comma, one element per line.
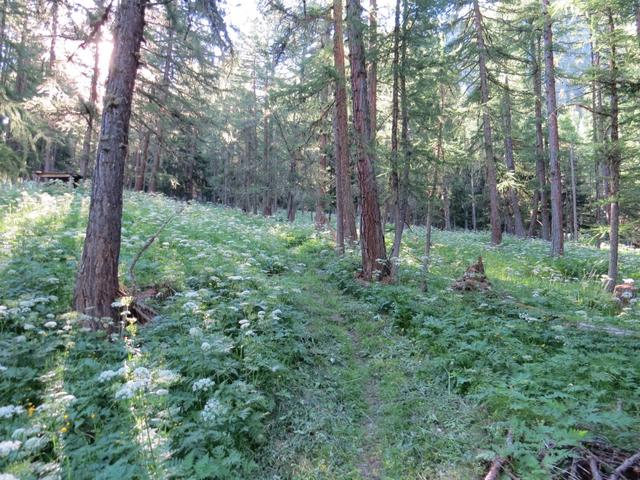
<point>374,255</point>
<point>321,194</point>
<point>614,160</point>
<point>574,193</point>
<point>474,215</point>
<point>91,108</point>
<point>346,218</point>
<point>403,196</point>
<point>293,180</point>
<point>595,134</point>
<point>395,119</point>
<point>492,180</point>
<point>3,29</point>
<point>557,240</point>
<point>97,281</point>
<point>541,173</point>
<point>373,67</point>
<point>162,98</point>
<point>508,158</point>
<point>142,167</point>
<point>54,36</point>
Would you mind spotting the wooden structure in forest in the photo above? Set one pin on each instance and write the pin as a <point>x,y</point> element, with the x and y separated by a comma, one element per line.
<point>40,176</point>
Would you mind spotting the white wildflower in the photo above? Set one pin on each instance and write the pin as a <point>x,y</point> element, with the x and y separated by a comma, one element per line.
<point>206,346</point>
<point>130,389</point>
<point>213,410</point>
<point>141,373</point>
<point>20,339</point>
<point>35,443</point>
<point>50,325</point>
<point>195,332</point>
<point>10,410</point>
<point>190,306</point>
<point>2,368</point>
<point>107,376</point>
<point>167,377</point>
<point>244,323</point>
<point>629,281</point>
<point>8,446</point>
<point>191,294</point>
<point>202,385</point>
<point>8,476</point>
<point>161,392</point>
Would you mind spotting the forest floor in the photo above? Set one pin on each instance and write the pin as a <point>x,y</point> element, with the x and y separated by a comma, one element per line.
<point>270,359</point>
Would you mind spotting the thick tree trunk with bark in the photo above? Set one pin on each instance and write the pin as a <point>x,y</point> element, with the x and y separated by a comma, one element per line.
<point>97,281</point>
<point>374,255</point>
<point>508,158</point>
<point>614,159</point>
<point>557,237</point>
<point>346,217</point>
<point>492,178</point>
<point>373,67</point>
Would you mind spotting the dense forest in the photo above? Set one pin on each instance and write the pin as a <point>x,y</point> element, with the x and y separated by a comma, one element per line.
<point>262,259</point>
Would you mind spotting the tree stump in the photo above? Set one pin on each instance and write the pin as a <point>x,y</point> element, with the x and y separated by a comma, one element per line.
<point>473,279</point>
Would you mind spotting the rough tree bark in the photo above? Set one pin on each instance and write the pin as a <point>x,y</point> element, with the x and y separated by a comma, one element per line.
<point>557,237</point>
<point>614,160</point>
<point>492,180</point>
<point>373,67</point>
<point>321,192</point>
<point>97,281</point>
<point>346,217</point>
<point>508,158</point>
<point>374,255</point>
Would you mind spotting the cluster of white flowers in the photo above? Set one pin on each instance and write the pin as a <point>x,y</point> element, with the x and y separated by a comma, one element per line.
<point>8,446</point>
<point>202,385</point>
<point>190,306</point>
<point>131,388</point>
<point>35,443</point>
<point>213,410</point>
<point>244,323</point>
<point>2,368</point>
<point>195,331</point>
<point>109,375</point>
<point>206,346</point>
<point>167,377</point>
<point>50,324</point>
<point>8,476</point>
<point>9,411</point>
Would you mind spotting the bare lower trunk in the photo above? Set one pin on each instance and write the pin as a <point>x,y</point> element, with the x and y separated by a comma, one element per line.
<point>91,107</point>
<point>346,218</point>
<point>508,157</point>
<point>142,166</point>
<point>574,194</point>
<point>97,281</point>
<point>541,172</point>
<point>614,160</point>
<point>321,194</point>
<point>373,67</point>
<point>374,256</point>
<point>492,178</point>
<point>557,239</point>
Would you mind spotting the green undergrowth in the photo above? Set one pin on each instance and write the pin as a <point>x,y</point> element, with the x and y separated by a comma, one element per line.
<point>269,359</point>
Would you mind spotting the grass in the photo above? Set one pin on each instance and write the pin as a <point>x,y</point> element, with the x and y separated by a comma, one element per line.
<point>271,360</point>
